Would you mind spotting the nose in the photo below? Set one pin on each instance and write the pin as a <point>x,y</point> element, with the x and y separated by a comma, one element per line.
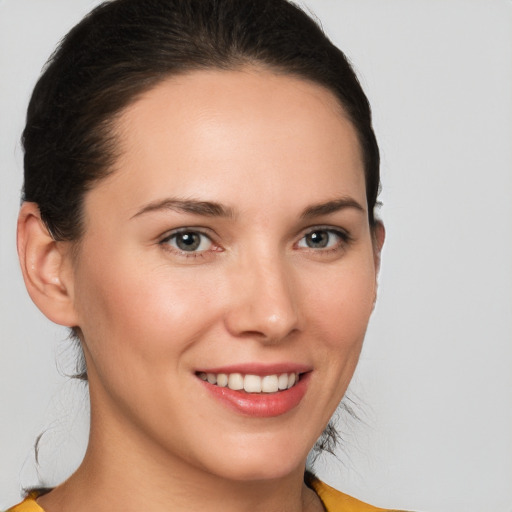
<point>264,301</point>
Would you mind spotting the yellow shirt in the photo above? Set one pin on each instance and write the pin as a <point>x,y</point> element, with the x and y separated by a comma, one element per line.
<point>336,501</point>
<point>333,500</point>
<point>27,505</point>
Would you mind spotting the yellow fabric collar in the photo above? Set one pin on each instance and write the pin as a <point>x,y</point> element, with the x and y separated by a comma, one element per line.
<point>333,500</point>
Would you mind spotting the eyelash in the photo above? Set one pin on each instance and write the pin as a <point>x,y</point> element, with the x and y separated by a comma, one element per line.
<point>188,254</point>
<point>344,239</point>
<point>343,236</point>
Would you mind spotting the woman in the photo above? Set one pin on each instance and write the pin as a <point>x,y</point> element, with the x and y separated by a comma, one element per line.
<point>200,185</point>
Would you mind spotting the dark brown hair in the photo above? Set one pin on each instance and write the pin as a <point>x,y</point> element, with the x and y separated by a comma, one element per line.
<point>125,47</point>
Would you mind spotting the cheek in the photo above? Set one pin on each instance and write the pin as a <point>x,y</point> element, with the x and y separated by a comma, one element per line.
<point>129,312</point>
<point>339,313</point>
<point>341,308</point>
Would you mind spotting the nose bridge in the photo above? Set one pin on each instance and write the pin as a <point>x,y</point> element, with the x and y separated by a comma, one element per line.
<point>264,301</point>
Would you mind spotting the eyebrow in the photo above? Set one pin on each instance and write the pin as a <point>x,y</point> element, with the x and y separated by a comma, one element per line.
<point>193,206</point>
<point>329,207</point>
<point>213,209</point>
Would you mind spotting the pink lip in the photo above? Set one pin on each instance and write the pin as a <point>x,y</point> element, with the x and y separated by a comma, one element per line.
<point>259,405</point>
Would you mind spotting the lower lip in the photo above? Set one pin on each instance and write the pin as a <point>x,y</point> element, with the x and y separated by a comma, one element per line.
<point>261,405</point>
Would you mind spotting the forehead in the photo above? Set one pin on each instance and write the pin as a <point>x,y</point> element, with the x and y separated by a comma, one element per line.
<point>223,133</point>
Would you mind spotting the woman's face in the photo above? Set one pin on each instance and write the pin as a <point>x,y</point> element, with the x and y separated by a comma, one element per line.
<point>231,240</point>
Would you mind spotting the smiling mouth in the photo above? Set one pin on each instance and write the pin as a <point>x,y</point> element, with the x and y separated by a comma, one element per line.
<point>251,383</point>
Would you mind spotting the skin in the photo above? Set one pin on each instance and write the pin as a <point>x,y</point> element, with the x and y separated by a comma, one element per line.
<point>266,148</point>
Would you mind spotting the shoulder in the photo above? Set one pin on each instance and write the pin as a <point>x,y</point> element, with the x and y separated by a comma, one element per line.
<point>336,501</point>
<point>29,504</point>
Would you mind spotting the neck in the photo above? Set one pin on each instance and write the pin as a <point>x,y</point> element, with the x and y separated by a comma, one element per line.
<point>127,472</point>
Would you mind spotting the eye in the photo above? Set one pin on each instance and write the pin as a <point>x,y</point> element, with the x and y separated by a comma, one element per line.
<point>188,241</point>
<point>323,239</point>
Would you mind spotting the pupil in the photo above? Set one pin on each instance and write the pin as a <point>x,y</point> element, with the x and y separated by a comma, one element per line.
<point>317,239</point>
<point>188,241</point>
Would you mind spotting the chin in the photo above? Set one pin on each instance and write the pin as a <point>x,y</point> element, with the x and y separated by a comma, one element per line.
<point>268,471</point>
<point>261,463</point>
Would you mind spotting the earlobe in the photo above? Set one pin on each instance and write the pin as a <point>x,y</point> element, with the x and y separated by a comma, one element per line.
<point>45,265</point>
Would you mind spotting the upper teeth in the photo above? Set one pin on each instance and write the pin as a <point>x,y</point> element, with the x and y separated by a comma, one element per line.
<point>252,383</point>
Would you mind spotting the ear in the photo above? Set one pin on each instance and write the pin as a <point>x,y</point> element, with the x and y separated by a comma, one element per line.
<point>46,267</point>
<point>379,235</point>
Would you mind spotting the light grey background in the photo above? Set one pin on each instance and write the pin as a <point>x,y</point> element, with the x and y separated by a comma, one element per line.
<point>434,385</point>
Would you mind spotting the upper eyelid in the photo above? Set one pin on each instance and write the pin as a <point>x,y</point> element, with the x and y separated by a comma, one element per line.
<point>165,242</point>
<point>215,238</point>
<point>185,229</point>
<point>324,227</point>
<point>344,239</point>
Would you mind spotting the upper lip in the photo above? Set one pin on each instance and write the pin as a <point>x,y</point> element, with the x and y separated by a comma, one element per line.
<point>260,369</point>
